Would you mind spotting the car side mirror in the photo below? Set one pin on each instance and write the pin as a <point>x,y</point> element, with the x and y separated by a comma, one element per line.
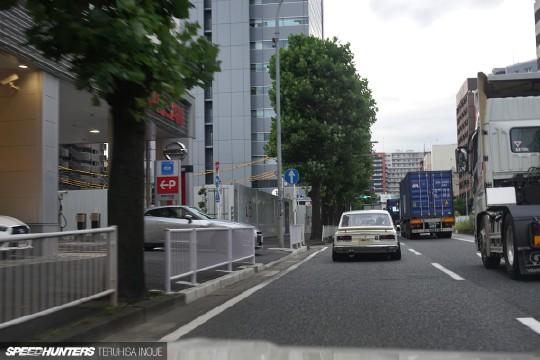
<point>462,160</point>
<point>189,218</point>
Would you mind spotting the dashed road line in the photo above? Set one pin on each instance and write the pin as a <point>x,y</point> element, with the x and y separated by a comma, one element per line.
<point>450,273</point>
<point>414,252</point>
<point>462,239</point>
<point>189,327</point>
<point>531,323</point>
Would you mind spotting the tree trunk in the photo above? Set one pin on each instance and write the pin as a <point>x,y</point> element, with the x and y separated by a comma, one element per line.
<point>126,200</point>
<point>316,226</point>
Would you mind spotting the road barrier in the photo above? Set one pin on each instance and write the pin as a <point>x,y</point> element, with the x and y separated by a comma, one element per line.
<point>328,232</point>
<point>189,251</point>
<point>297,233</point>
<point>47,272</point>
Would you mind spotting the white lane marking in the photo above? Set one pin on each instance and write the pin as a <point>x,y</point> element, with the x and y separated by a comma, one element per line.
<point>531,323</point>
<point>415,252</point>
<point>478,254</point>
<point>462,239</point>
<point>450,273</point>
<point>189,327</point>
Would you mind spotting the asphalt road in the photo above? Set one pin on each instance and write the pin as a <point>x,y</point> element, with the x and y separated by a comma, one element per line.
<point>438,297</point>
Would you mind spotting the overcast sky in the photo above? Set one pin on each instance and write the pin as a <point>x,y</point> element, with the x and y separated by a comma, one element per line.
<point>417,53</point>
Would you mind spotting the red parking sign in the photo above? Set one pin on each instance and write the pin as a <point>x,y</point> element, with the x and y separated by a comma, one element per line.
<point>167,185</point>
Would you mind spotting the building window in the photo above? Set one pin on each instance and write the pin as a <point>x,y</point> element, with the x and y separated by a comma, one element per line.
<point>283,22</point>
<point>260,136</point>
<point>259,67</point>
<point>266,44</point>
<point>263,113</point>
<point>260,90</point>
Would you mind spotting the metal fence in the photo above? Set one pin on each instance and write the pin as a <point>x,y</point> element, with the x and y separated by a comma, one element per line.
<point>460,219</point>
<point>297,233</point>
<point>189,251</point>
<point>328,232</point>
<point>46,272</point>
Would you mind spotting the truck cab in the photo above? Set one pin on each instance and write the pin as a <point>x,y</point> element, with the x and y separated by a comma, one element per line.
<point>503,158</point>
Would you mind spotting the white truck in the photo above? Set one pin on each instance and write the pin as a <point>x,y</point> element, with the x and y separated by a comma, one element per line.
<point>503,158</point>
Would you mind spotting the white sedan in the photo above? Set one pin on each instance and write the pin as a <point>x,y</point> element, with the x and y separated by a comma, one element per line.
<point>10,226</point>
<point>159,218</point>
<point>366,232</point>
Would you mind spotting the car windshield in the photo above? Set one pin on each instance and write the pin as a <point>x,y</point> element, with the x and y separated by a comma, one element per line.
<point>198,212</point>
<point>367,219</point>
<point>525,139</point>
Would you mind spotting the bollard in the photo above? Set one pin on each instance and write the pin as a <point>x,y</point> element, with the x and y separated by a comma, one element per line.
<point>81,221</point>
<point>95,220</point>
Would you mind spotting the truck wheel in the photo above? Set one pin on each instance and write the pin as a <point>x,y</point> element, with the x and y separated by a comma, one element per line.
<point>491,261</point>
<point>335,256</point>
<point>511,256</point>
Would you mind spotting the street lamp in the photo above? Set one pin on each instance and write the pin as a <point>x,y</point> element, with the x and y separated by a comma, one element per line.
<point>278,132</point>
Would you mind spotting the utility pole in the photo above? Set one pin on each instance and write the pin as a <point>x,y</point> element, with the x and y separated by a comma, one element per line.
<point>278,133</point>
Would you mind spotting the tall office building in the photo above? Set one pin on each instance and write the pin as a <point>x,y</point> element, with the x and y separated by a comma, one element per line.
<point>379,177</point>
<point>399,164</point>
<point>234,115</point>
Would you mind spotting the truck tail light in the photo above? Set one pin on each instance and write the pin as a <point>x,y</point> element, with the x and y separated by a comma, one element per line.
<point>535,233</point>
<point>387,237</point>
<point>344,238</point>
<point>448,219</point>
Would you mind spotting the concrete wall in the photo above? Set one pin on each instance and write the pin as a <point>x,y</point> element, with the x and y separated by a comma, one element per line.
<point>29,150</point>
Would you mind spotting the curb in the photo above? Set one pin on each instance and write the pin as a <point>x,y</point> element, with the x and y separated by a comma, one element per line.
<point>195,293</point>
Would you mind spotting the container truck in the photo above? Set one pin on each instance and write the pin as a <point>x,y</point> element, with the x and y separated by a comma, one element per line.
<point>426,204</point>
<point>503,158</point>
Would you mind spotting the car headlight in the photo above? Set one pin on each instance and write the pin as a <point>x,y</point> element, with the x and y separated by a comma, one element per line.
<point>3,228</point>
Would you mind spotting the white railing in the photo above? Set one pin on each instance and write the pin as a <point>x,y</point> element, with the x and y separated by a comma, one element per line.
<point>460,219</point>
<point>46,272</point>
<point>328,232</point>
<point>297,234</point>
<point>189,251</point>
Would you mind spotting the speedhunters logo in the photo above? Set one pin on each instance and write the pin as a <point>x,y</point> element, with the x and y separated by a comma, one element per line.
<point>132,351</point>
<point>50,351</point>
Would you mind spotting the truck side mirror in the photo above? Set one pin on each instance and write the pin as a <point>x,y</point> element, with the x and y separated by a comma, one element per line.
<point>462,160</point>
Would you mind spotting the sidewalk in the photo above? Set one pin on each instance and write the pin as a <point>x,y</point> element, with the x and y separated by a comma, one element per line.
<point>149,314</point>
<point>155,265</point>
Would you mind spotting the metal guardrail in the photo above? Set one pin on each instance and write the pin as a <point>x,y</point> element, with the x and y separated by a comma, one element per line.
<point>189,251</point>
<point>297,235</point>
<point>460,219</point>
<point>47,272</point>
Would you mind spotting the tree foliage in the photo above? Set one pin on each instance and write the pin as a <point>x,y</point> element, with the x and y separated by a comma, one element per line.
<point>125,51</point>
<point>327,113</point>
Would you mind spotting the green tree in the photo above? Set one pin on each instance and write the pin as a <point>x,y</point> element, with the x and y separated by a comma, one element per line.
<point>327,113</point>
<point>459,206</point>
<point>123,52</point>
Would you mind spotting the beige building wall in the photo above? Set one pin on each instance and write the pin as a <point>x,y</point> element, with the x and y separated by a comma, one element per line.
<point>29,150</point>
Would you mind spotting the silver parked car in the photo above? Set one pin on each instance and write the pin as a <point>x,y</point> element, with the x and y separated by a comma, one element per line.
<point>10,226</point>
<point>159,218</point>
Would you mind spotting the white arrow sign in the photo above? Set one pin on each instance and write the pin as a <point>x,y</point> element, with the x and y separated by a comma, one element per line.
<point>167,184</point>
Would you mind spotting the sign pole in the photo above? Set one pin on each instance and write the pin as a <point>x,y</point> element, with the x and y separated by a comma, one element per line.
<point>217,196</point>
<point>295,204</point>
